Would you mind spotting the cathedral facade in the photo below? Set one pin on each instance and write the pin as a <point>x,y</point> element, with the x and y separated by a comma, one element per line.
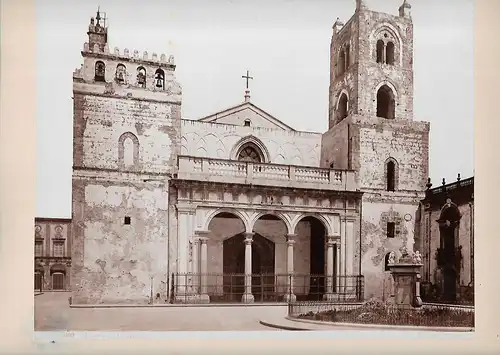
<point>237,205</point>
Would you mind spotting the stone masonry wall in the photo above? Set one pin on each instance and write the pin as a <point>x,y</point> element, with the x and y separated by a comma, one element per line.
<point>334,147</point>
<point>204,139</point>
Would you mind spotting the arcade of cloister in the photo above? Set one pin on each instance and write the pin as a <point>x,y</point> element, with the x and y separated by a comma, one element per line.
<point>251,242</point>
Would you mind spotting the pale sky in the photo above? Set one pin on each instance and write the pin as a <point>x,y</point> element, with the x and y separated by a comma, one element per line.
<point>284,43</point>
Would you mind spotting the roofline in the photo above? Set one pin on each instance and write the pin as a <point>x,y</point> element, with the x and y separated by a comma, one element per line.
<point>53,219</point>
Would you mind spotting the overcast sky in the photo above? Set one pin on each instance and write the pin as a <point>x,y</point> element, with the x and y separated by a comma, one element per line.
<point>285,45</point>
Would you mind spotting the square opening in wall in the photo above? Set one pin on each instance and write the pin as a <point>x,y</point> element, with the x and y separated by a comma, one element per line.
<point>391,229</point>
<point>127,220</point>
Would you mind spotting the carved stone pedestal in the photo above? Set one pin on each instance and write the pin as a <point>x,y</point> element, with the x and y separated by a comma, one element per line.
<point>406,280</point>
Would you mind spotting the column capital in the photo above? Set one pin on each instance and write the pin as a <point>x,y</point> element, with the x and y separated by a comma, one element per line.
<point>202,233</point>
<point>183,208</point>
<point>332,238</point>
<point>248,235</point>
<point>203,240</point>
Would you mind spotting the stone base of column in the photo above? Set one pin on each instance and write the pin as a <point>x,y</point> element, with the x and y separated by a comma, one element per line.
<point>247,298</point>
<point>188,299</point>
<point>289,297</point>
<point>204,298</point>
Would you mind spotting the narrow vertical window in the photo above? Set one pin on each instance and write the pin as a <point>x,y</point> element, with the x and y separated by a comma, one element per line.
<point>391,176</point>
<point>141,77</point>
<point>389,53</point>
<point>391,229</point>
<point>380,51</point>
<point>128,152</point>
<point>160,79</point>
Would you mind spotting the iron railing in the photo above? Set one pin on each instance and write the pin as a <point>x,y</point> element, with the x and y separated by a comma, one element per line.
<point>427,315</point>
<point>267,287</point>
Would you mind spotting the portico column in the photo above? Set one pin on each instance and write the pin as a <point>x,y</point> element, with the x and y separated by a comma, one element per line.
<point>337,269</point>
<point>247,296</point>
<point>290,296</point>
<point>203,265</point>
<point>330,244</point>
<point>196,265</point>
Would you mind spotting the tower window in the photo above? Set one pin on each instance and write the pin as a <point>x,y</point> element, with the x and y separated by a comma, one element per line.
<point>380,51</point>
<point>120,73</point>
<point>100,71</point>
<point>347,56</point>
<point>160,79</point>
<point>385,102</point>
<point>391,229</point>
<point>342,107</point>
<point>341,62</point>
<point>389,53</point>
<point>391,176</point>
<point>126,220</point>
<point>141,77</point>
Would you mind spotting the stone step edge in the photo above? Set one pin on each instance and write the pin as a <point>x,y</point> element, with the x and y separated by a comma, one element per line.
<point>383,326</point>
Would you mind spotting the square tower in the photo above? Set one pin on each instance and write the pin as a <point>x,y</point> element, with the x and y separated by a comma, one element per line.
<point>126,138</point>
<point>372,131</point>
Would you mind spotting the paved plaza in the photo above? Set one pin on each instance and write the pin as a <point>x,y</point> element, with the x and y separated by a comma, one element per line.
<point>52,313</point>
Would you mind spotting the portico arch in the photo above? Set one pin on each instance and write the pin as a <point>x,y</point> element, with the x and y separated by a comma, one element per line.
<point>227,213</point>
<point>326,224</point>
<point>272,216</point>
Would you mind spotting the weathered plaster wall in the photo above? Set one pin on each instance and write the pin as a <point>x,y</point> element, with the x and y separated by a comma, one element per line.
<point>334,146</point>
<point>218,141</point>
<point>376,244</point>
<point>114,262</point>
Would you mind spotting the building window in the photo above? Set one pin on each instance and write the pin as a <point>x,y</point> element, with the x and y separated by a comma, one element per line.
<point>141,77</point>
<point>389,53</point>
<point>342,107</point>
<point>100,71</point>
<point>391,229</point>
<point>341,64</point>
<point>385,102</point>
<point>391,176</point>
<point>247,123</point>
<point>160,79</point>
<point>380,51</point>
<point>39,248</point>
<point>59,249</point>
<point>127,220</point>
<point>58,281</point>
<point>250,153</point>
<point>128,151</point>
<point>120,73</point>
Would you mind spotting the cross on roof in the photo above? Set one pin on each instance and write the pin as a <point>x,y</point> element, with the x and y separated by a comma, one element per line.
<point>247,77</point>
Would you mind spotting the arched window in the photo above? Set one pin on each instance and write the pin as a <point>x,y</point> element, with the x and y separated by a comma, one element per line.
<point>120,73</point>
<point>391,176</point>
<point>251,153</point>
<point>141,77</point>
<point>380,51</point>
<point>128,151</point>
<point>247,123</point>
<point>160,79</point>
<point>342,108</point>
<point>347,56</point>
<point>389,53</point>
<point>385,102</point>
<point>100,71</point>
<point>341,62</point>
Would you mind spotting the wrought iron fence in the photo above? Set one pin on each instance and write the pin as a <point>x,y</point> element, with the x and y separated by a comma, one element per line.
<point>427,315</point>
<point>267,287</point>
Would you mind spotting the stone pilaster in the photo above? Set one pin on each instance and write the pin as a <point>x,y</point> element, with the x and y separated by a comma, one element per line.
<point>290,241</point>
<point>331,245</point>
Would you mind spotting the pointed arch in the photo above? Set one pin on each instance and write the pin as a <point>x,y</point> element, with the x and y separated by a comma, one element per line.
<point>254,144</point>
<point>123,152</point>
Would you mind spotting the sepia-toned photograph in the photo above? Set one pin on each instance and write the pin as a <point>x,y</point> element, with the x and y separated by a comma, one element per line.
<point>254,166</point>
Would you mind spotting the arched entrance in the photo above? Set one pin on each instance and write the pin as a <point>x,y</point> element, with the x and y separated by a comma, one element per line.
<point>448,253</point>
<point>39,277</point>
<point>263,254</point>
<point>317,261</point>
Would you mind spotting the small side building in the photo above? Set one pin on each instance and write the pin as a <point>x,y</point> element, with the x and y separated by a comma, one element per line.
<point>52,254</point>
<point>446,241</point>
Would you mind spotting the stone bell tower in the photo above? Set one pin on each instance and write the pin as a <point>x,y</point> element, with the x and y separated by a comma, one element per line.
<point>372,130</point>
